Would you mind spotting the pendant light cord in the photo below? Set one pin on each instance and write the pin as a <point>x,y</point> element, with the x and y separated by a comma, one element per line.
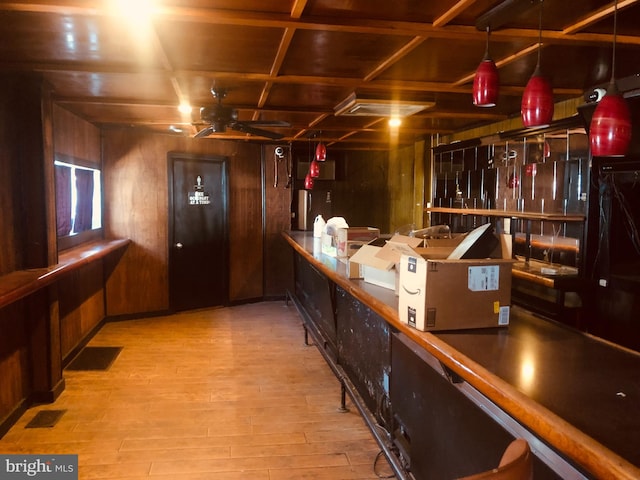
<point>540,31</point>
<point>615,33</point>
<point>486,51</point>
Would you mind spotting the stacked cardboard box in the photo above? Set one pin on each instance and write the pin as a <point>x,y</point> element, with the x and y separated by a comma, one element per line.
<point>457,292</point>
<point>439,287</point>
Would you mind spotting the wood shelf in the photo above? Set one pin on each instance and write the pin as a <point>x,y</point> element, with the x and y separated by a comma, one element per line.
<point>567,278</point>
<point>21,283</point>
<point>556,217</point>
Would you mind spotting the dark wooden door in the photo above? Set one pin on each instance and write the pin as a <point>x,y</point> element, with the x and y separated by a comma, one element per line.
<point>198,232</point>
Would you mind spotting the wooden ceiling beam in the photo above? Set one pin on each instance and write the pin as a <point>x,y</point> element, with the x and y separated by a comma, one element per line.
<point>335,24</point>
<point>118,102</point>
<point>397,55</point>
<point>283,48</point>
<point>166,63</point>
<point>354,83</point>
<point>502,62</point>
<point>452,13</point>
<point>596,16</point>
<point>298,8</point>
<point>285,41</point>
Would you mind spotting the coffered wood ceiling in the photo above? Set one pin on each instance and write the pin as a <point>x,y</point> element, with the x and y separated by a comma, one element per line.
<point>296,60</point>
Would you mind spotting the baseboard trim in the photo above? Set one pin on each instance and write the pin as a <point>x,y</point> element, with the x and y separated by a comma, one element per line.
<point>11,419</point>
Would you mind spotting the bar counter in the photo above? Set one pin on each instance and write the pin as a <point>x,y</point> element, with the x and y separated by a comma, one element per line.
<point>577,394</point>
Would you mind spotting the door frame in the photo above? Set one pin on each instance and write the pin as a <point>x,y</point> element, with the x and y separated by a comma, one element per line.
<point>223,160</point>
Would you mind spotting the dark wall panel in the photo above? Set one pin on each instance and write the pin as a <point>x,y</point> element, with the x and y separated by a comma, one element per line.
<point>136,190</point>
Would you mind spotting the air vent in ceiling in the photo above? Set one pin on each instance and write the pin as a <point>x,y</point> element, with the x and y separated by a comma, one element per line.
<point>353,106</point>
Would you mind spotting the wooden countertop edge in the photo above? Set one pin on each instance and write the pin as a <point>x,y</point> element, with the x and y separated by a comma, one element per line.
<point>563,436</point>
<point>19,284</point>
<point>562,217</point>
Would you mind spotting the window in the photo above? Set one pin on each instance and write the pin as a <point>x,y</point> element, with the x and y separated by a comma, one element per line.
<point>78,199</point>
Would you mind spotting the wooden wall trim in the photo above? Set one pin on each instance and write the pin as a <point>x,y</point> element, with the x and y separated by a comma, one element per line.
<point>49,174</point>
<point>17,285</point>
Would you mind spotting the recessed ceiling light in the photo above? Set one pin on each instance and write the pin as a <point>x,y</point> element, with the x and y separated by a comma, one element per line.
<point>139,11</point>
<point>184,108</point>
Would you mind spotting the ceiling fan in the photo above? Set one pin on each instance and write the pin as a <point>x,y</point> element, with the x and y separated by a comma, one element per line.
<point>220,117</point>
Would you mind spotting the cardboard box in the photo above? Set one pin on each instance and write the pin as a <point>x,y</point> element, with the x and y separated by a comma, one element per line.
<point>353,237</point>
<point>336,244</point>
<point>377,265</point>
<point>449,242</point>
<point>350,248</point>
<point>442,294</point>
<point>396,246</point>
<point>366,265</point>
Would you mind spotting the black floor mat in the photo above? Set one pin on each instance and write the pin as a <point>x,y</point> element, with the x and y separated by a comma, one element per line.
<point>94,358</point>
<point>45,419</point>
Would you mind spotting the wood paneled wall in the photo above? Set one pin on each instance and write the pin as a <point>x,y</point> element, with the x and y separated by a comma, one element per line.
<point>136,189</point>
<point>375,188</point>
<point>23,223</point>
<point>23,237</point>
<point>40,330</point>
<point>14,360</point>
<point>81,305</point>
<point>278,259</point>
<point>75,137</point>
<point>405,175</point>
<point>10,220</point>
<point>80,295</point>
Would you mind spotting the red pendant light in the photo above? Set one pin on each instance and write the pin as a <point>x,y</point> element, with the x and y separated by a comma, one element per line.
<point>537,100</point>
<point>486,81</point>
<point>314,169</point>
<point>321,152</point>
<point>610,129</point>
<point>308,182</point>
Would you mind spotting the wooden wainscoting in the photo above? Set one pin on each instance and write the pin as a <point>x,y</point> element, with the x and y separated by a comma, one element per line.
<point>228,393</point>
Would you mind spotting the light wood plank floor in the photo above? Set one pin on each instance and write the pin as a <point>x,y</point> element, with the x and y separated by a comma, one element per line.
<point>229,393</point>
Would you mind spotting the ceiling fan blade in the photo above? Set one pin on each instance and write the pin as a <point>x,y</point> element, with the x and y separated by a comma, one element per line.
<point>267,123</point>
<point>245,128</point>
<point>205,132</point>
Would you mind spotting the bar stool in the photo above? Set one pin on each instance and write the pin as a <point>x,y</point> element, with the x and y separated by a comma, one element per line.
<point>516,464</point>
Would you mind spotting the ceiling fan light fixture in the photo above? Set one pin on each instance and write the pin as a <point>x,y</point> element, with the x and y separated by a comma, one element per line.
<point>218,127</point>
<point>486,82</point>
<point>221,117</point>
<point>610,128</point>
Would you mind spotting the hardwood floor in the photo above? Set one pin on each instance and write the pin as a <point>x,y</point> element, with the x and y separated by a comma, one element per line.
<point>229,393</point>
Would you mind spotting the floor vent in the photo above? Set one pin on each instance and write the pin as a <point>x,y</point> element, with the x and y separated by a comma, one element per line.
<point>45,419</point>
<point>94,358</point>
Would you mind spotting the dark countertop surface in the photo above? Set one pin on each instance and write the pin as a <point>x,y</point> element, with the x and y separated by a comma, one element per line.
<point>589,383</point>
